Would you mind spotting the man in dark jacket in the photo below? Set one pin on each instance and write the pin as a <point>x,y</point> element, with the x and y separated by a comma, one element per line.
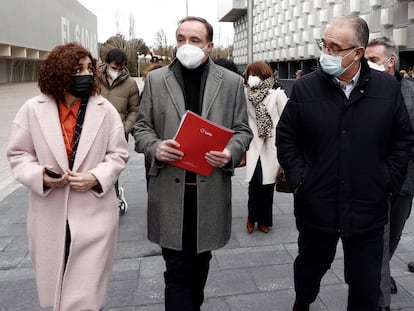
<point>343,139</point>
<point>382,55</point>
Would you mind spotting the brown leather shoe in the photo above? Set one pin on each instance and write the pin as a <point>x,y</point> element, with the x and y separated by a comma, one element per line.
<point>263,228</point>
<point>249,225</point>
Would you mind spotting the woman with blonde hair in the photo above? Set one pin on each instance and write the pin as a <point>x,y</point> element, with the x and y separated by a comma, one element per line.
<point>264,107</point>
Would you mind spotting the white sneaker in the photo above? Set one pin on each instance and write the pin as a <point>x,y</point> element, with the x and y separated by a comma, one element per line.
<point>122,203</point>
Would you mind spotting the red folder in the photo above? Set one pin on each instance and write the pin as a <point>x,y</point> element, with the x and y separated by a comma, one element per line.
<point>197,136</point>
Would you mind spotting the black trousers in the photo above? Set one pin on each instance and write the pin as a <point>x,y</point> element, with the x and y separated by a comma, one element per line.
<point>362,266</point>
<point>260,202</point>
<point>186,271</point>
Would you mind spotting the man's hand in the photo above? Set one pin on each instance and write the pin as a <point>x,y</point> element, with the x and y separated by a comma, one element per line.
<point>167,151</point>
<point>218,158</point>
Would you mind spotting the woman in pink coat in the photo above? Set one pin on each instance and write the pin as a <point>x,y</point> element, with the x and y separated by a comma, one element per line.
<point>68,147</point>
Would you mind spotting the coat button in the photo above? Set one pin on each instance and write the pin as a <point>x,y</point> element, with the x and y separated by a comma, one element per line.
<point>177,180</point>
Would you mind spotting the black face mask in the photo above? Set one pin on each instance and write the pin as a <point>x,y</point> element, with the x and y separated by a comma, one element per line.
<point>81,86</point>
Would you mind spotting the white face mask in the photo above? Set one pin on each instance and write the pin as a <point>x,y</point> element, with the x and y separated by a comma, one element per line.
<point>190,56</point>
<point>379,67</point>
<point>114,74</point>
<point>253,81</point>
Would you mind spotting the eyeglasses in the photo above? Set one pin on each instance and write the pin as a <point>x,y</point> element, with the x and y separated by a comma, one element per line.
<point>321,46</point>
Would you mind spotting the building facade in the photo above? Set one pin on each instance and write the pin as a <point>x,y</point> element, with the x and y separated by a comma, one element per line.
<point>284,31</point>
<point>33,28</point>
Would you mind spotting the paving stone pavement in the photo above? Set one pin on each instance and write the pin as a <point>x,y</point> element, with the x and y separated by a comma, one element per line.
<point>252,273</point>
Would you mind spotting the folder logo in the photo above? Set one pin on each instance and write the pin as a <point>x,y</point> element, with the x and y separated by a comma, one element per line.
<point>205,132</point>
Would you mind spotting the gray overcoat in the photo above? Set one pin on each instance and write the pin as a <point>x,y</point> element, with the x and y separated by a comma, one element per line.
<point>161,110</point>
<point>407,90</point>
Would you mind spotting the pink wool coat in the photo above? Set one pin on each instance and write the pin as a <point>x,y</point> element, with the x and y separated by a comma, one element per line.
<point>36,140</point>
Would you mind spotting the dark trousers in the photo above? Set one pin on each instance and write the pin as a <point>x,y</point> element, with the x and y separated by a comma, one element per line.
<point>260,202</point>
<point>399,211</point>
<point>186,271</point>
<point>362,266</point>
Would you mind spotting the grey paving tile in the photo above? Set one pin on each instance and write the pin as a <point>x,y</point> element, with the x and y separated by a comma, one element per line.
<point>252,257</point>
<point>273,278</point>
<point>229,282</point>
<point>268,301</point>
<point>23,300</point>
<point>334,297</point>
<point>149,291</point>
<point>152,267</point>
<point>121,293</point>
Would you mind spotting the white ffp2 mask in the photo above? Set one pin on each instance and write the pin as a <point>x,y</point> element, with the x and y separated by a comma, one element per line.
<point>253,81</point>
<point>190,56</point>
<point>114,74</point>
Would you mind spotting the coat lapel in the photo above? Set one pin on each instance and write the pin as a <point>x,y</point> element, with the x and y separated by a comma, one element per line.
<point>212,88</point>
<point>175,92</point>
<point>94,117</point>
<point>51,129</point>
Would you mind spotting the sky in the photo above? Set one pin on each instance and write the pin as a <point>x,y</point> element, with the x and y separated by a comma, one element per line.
<point>154,15</point>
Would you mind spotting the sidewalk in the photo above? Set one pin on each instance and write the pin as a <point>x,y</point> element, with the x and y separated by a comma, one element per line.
<point>252,273</point>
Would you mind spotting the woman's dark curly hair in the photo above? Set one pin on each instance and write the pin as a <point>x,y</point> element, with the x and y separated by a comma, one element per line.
<point>59,66</point>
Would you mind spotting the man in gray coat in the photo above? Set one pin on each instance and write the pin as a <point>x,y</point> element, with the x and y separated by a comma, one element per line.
<point>188,214</point>
<point>382,54</point>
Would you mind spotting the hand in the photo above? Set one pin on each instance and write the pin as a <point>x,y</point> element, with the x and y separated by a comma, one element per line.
<point>167,151</point>
<point>81,182</point>
<point>51,182</point>
<point>218,158</point>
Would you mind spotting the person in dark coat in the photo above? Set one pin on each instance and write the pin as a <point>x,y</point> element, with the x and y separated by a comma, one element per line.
<point>382,55</point>
<point>344,140</point>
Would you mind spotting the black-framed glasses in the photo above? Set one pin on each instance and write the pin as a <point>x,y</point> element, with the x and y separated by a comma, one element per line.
<point>321,46</point>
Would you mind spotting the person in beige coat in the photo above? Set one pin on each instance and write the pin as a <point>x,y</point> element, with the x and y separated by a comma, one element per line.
<point>264,107</point>
<point>122,91</point>
<point>68,147</point>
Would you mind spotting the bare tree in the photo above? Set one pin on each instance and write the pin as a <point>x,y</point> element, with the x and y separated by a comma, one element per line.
<point>131,26</point>
<point>117,21</point>
<point>160,39</point>
<point>131,48</point>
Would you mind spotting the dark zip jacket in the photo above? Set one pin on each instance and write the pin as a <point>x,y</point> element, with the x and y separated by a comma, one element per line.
<point>344,156</point>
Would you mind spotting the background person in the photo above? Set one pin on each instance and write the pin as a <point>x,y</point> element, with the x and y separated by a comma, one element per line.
<point>264,107</point>
<point>382,55</point>
<point>343,164</point>
<point>72,222</point>
<point>122,91</point>
<point>189,215</point>
<point>227,63</point>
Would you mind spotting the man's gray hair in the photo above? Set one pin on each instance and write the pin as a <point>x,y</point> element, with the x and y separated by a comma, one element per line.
<point>391,48</point>
<point>361,31</point>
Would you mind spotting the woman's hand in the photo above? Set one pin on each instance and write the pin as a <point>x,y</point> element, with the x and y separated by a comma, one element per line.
<point>81,182</point>
<point>53,182</point>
